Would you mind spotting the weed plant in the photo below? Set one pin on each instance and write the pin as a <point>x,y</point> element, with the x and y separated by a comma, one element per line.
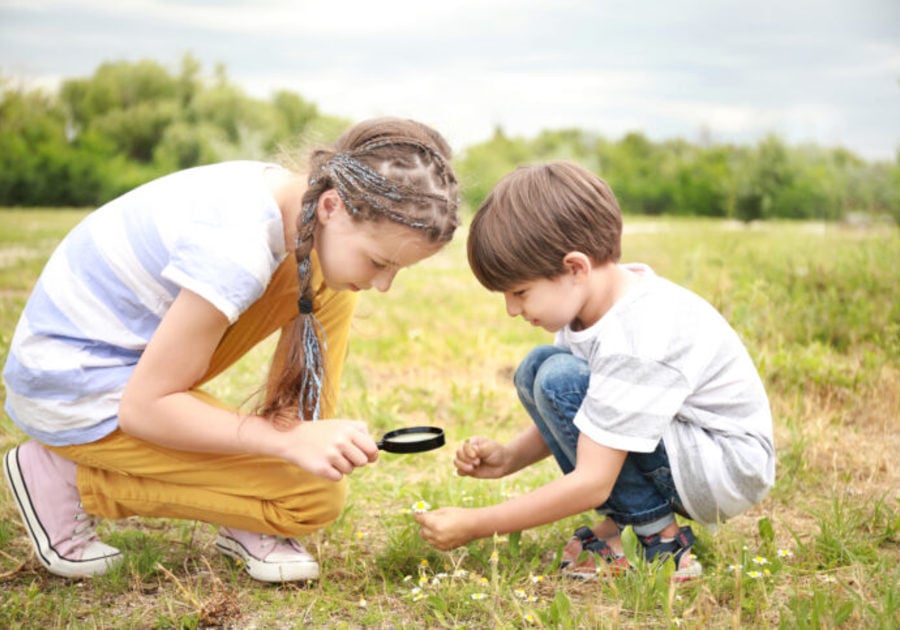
<point>816,305</point>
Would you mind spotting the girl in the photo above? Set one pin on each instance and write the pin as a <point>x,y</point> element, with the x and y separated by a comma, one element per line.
<point>159,291</point>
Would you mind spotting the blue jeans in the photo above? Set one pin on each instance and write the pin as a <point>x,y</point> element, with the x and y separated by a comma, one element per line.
<point>552,384</point>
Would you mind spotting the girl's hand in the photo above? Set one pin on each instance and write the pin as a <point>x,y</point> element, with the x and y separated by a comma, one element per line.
<point>482,458</point>
<point>330,448</point>
<point>446,528</point>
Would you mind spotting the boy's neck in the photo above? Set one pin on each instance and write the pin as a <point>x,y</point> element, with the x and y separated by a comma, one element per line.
<point>609,282</point>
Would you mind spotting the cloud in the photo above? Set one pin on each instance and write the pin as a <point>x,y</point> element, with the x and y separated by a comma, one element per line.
<point>342,18</point>
<point>813,70</point>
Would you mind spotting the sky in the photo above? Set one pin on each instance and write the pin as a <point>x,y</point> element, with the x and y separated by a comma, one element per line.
<point>721,71</point>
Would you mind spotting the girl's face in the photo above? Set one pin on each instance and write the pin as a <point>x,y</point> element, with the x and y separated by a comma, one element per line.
<point>361,255</point>
<point>548,303</point>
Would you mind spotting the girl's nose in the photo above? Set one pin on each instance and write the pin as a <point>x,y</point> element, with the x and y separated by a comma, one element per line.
<point>383,280</point>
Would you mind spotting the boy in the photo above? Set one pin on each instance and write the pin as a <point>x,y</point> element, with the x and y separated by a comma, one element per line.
<point>648,400</point>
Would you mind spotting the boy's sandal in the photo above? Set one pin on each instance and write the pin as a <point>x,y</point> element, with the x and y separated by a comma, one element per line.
<point>581,553</point>
<point>655,548</point>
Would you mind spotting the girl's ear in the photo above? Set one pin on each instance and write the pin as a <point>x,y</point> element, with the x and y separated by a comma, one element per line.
<point>329,202</point>
<point>578,264</point>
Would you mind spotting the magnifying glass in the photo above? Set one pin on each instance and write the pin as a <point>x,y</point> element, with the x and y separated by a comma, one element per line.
<point>412,440</point>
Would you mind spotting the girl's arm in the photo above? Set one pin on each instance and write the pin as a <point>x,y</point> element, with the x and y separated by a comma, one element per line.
<point>585,488</point>
<point>157,406</point>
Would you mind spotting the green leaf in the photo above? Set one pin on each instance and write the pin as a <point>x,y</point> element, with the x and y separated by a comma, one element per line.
<point>766,531</point>
<point>631,546</point>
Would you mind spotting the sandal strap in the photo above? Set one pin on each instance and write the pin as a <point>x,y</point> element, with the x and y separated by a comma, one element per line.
<point>601,548</point>
<point>655,547</point>
<point>584,534</point>
<point>598,546</point>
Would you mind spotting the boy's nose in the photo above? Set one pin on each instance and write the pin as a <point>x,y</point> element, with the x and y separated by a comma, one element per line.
<point>512,306</point>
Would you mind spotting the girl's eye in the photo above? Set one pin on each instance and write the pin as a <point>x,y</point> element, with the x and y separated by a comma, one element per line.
<point>378,265</point>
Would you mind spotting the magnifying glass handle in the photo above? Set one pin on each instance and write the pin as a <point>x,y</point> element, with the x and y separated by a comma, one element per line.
<point>380,445</point>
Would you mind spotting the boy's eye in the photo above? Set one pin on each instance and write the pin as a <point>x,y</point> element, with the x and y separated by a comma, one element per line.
<point>519,293</point>
<point>378,265</point>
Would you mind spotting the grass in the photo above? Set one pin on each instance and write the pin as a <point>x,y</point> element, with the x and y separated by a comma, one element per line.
<point>816,306</point>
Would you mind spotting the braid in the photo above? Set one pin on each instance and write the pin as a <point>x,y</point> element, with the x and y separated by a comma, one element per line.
<point>390,169</point>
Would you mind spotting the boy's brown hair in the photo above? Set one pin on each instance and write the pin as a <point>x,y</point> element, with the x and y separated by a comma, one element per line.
<point>536,215</point>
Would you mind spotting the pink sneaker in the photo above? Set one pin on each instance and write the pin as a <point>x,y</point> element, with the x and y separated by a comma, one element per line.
<point>268,558</point>
<point>61,532</point>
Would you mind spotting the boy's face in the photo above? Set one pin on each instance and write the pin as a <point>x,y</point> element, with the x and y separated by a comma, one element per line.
<point>548,303</point>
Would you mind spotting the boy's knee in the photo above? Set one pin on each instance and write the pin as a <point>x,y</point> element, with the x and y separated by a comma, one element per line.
<point>561,370</point>
<point>526,373</point>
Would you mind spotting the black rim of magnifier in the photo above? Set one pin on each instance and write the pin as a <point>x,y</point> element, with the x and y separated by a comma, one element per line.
<point>435,441</point>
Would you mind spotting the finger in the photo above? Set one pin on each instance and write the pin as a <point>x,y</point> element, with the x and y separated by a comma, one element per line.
<point>362,449</point>
<point>341,463</point>
<point>364,442</point>
<point>465,467</point>
<point>331,473</point>
<point>355,456</point>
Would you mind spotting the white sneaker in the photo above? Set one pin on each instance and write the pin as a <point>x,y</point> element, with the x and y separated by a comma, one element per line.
<point>62,533</point>
<point>268,558</point>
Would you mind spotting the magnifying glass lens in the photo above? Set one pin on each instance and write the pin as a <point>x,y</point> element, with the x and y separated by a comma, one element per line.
<point>412,440</point>
<point>406,438</point>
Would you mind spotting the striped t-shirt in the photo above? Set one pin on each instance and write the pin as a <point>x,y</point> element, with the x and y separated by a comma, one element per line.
<point>666,365</point>
<point>215,230</point>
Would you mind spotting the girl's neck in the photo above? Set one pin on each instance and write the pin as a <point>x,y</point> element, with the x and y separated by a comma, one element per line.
<point>287,189</point>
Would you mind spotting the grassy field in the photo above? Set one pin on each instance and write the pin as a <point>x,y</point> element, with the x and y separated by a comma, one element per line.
<point>815,304</point>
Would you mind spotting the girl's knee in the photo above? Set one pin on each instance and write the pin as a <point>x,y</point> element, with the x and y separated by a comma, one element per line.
<point>328,504</point>
<point>313,509</point>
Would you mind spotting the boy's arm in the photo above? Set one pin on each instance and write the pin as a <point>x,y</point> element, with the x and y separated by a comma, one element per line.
<point>485,459</point>
<point>585,488</point>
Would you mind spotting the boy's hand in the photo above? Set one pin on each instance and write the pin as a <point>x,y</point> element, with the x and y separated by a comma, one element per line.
<point>446,528</point>
<point>482,458</point>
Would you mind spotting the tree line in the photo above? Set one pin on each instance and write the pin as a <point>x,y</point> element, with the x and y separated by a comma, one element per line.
<point>764,181</point>
<point>97,137</point>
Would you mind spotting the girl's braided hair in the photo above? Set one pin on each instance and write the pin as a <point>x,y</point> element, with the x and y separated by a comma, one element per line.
<point>383,169</point>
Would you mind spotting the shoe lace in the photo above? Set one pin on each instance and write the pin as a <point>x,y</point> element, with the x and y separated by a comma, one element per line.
<point>268,543</point>
<point>85,527</point>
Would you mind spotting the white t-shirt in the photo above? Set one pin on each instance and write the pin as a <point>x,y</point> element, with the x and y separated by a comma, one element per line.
<point>666,365</point>
<point>215,230</point>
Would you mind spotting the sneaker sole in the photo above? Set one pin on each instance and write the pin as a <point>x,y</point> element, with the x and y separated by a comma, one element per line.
<point>267,571</point>
<point>45,552</point>
<point>607,571</point>
<point>690,572</point>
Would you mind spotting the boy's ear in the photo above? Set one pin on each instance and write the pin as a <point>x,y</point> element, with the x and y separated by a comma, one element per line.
<point>577,264</point>
<point>329,202</point>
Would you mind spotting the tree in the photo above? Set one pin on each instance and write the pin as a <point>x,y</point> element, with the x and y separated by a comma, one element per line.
<point>38,165</point>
